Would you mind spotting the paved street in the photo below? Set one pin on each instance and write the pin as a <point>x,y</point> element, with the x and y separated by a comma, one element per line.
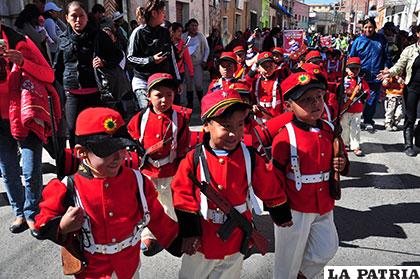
<point>377,219</point>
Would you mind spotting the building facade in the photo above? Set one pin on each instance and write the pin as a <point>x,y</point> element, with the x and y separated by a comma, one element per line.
<point>300,15</point>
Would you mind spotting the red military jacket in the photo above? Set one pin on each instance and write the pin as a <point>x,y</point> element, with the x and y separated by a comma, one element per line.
<point>267,92</point>
<point>114,208</point>
<point>350,84</point>
<point>221,83</point>
<point>228,178</point>
<point>155,129</point>
<point>314,147</point>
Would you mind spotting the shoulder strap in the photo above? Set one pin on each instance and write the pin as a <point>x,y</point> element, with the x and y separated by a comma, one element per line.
<point>196,157</point>
<point>251,151</point>
<point>140,185</point>
<point>142,124</point>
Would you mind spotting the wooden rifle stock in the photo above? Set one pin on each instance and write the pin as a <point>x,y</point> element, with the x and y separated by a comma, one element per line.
<point>235,219</point>
<point>334,183</point>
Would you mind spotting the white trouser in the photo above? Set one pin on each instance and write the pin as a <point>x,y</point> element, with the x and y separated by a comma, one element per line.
<point>198,267</point>
<point>307,246</point>
<point>393,109</point>
<point>197,81</point>
<point>350,122</point>
<point>163,186</point>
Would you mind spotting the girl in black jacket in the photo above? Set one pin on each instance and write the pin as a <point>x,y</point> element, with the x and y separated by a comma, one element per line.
<point>150,49</point>
<point>82,48</point>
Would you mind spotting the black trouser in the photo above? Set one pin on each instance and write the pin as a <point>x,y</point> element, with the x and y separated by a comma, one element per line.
<point>411,100</point>
<point>74,105</point>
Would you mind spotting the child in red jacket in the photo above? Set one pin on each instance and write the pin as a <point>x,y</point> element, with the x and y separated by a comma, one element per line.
<point>226,164</point>
<point>104,205</point>
<point>354,86</point>
<point>162,130</point>
<point>302,155</point>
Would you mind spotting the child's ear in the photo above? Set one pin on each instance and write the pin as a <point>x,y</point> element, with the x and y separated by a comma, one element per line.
<point>206,127</point>
<point>288,106</point>
<point>81,151</point>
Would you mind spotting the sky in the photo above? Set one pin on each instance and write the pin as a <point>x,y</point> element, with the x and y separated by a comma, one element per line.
<point>319,1</point>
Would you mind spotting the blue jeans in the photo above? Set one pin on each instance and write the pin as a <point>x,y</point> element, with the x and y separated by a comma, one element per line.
<point>24,200</point>
<point>370,106</point>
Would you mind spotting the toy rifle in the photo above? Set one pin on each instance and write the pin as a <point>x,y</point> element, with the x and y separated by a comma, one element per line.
<point>234,220</point>
<point>334,183</point>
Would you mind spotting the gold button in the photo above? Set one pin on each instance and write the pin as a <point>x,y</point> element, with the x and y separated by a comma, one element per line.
<point>320,136</point>
<point>111,214</point>
<point>220,187</point>
<point>157,136</point>
<point>322,154</point>
<point>159,117</point>
<point>221,161</point>
<point>320,189</point>
<point>114,240</point>
<point>106,184</point>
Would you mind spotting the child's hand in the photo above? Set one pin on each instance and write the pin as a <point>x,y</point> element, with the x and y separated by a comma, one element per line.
<point>72,220</point>
<point>287,224</point>
<point>339,163</point>
<point>190,245</point>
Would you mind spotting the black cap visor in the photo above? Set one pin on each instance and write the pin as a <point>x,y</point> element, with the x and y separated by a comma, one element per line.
<point>104,145</point>
<point>301,90</point>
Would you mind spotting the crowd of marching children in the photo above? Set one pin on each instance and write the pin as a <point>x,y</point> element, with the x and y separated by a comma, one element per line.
<point>276,129</point>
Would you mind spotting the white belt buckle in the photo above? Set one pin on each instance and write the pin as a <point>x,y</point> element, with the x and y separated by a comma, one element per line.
<point>157,164</point>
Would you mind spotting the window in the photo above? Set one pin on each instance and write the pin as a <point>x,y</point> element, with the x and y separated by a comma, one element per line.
<point>238,25</point>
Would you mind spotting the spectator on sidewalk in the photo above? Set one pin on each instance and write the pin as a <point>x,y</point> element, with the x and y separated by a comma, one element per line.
<point>82,48</point>
<point>410,63</point>
<point>20,56</point>
<point>27,23</point>
<point>150,49</point>
<point>371,47</point>
<point>54,26</point>
<point>199,51</point>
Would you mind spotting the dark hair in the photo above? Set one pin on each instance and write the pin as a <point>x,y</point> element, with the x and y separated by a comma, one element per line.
<point>370,20</point>
<point>72,3</point>
<point>193,20</point>
<point>176,25</point>
<point>144,14</point>
<point>29,13</point>
<point>98,8</point>
<point>416,29</point>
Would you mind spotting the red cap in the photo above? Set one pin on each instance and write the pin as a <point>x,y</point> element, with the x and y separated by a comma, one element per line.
<point>295,85</point>
<point>238,49</point>
<point>278,50</point>
<point>314,70</point>
<point>353,61</point>
<point>214,103</point>
<point>228,56</point>
<point>264,56</point>
<point>313,54</point>
<point>99,130</point>
<point>158,78</point>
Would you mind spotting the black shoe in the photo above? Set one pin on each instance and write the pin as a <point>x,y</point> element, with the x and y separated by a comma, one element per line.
<point>151,249</point>
<point>18,228</point>
<point>410,152</point>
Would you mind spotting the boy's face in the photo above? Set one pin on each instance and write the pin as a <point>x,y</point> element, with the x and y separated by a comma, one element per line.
<point>226,132</point>
<point>267,68</point>
<point>308,108</point>
<point>102,167</point>
<point>227,69</point>
<point>161,98</point>
<point>278,58</point>
<point>353,71</point>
